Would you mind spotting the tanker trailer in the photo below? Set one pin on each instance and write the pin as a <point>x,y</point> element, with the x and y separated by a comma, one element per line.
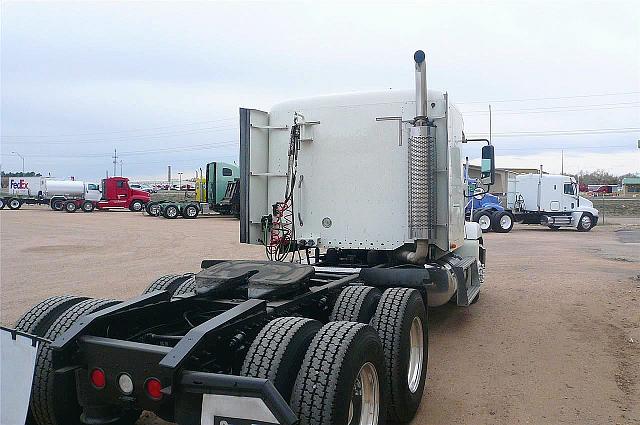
<point>332,328</point>
<point>51,192</point>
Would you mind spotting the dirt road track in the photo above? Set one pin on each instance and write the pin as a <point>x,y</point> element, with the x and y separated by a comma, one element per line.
<point>549,341</point>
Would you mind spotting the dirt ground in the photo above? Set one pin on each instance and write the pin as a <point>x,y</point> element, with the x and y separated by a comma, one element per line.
<point>555,337</point>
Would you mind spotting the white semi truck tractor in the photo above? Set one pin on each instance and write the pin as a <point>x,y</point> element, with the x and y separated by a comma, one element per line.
<point>550,200</point>
<point>358,201</point>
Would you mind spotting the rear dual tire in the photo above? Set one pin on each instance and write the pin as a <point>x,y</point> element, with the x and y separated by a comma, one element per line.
<point>191,211</point>
<point>37,320</point>
<point>57,204</point>
<point>171,211</point>
<point>169,282</point>
<point>356,304</point>
<point>502,221</point>
<point>483,218</point>
<point>53,398</point>
<point>14,204</point>
<point>278,350</point>
<point>70,206</point>
<point>153,208</point>
<point>401,322</point>
<point>88,206</point>
<point>342,378</point>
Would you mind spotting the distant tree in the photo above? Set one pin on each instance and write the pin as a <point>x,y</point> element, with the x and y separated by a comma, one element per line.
<point>597,177</point>
<point>624,176</point>
<point>20,174</point>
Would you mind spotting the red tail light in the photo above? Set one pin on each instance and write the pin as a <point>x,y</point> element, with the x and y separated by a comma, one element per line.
<point>154,388</point>
<point>98,378</point>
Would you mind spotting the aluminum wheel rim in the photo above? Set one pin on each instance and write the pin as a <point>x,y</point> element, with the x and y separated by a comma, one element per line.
<point>416,354</point>
<point>172,212</point>
<point>484,221</point>
<point>14,204</point>
<point>585,221</point>
<point>191,211</point>
<point>154,209</point>
<point>364,407</point>
<point>137,206</point>
<point>505,221</point>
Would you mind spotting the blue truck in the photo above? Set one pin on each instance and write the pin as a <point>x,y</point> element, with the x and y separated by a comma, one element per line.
<point>487,210</point>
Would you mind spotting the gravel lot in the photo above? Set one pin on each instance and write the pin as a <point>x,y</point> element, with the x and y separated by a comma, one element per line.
<point>555,337</point>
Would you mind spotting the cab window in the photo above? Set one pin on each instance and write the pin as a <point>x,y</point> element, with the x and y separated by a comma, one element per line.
<point>92,186</point>
<point>568,189</point>
<point>227,172</point>
<point>120,184</point>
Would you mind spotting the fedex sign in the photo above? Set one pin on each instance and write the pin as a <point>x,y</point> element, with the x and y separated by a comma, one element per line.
<point>19,184</point>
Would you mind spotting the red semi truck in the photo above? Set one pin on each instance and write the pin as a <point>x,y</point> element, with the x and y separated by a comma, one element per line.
<point>116,193</point>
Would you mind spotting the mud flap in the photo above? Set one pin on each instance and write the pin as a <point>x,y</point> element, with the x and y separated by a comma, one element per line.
<point>213,399</point>
<point>17,365</point>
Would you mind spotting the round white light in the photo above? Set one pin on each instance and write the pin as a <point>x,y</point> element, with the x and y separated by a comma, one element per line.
<point>125,383</point>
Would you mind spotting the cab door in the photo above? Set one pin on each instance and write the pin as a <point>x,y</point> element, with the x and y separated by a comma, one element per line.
<point>569,196</point>
<point>121,193</point>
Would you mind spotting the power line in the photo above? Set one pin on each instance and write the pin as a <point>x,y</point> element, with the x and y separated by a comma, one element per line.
<point>124,131</point>
<point>124,138</point>
<point>568,108</point>
<point>539,148</point>
<point>563,132</point>
<point>550,98</point>
<point>176,149</point>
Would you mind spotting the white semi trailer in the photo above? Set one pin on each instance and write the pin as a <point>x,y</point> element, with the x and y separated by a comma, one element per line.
<point>550,200</point>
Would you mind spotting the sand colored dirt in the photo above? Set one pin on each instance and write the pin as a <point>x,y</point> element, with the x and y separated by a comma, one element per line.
<point>555,337</point>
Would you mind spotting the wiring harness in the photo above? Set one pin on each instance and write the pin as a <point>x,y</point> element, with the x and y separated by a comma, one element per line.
<point>279,230</point>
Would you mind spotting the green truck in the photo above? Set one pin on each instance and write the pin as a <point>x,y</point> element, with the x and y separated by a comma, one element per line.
<point>217,192</point>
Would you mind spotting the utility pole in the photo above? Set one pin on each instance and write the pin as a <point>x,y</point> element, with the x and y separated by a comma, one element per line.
<point>490,141</point>
<point>115,161</point>
<point>21,157</point>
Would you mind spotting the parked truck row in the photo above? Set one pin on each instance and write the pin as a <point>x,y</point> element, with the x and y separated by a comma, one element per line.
<point>73,195</point>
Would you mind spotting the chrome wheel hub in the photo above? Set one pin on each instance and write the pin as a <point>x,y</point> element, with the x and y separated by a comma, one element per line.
<point>364,407</point>
<point>484,221</point>
<point>505,222</point>
<point>585,221</point>
<point>416,355</point>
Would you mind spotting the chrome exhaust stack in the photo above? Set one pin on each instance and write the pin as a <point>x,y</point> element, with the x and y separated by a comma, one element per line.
<point>421,87</point>
<point>422,167</point>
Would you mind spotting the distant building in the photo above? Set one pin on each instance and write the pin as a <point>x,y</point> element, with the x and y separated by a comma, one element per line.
<point>631,186</point>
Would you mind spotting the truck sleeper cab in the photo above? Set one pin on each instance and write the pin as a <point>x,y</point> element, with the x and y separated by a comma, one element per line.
<point>550,200</point>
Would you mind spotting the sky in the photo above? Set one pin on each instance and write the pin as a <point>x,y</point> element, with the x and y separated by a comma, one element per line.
<point>161,82</point>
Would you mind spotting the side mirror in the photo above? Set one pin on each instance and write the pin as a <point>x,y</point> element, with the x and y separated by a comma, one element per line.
<point>488,166</point>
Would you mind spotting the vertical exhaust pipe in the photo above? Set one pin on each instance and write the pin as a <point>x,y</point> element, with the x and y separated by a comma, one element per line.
<point>422,166</point>
<point>421,86</point>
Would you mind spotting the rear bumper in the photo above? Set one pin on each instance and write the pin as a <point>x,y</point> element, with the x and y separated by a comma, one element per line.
<point>190,398</point>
